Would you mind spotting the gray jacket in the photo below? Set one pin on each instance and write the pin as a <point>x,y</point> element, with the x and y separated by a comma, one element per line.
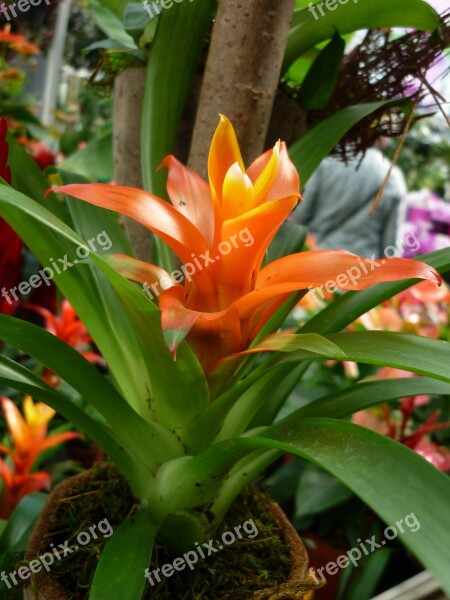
<point>337,199</point>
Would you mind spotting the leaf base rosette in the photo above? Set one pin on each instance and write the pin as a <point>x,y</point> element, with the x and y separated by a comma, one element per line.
<point>285,554</point>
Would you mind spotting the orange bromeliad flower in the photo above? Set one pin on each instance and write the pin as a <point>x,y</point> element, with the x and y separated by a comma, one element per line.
<point>221,232</point>
<point>17,42</point>
<point>68,327</point>
<point>29,432</point>
<point>29,439</point>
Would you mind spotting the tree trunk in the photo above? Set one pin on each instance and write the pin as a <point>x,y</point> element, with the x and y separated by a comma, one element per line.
<point>242,74</point>
<point>128,98</point>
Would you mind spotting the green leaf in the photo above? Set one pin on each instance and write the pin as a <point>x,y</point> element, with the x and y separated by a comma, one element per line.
<point>110,24</point>
<point>252,402</point>
<point>120,571</point>
<point>115,6</point>
<point>20,524</point>
<point>126,425</point>
<point>364,395</point>
<point>365,578</point>
<point>20,378</point>
<point>317,143</point>
<point>14,538</point>
<point>320,81</point>
<point>256,399</point>
<point>151,381</point>
<point>287,342</point>
<point>135,20</point>
<point>275,384</point>
<point>392,479</point>
<point>347,308</point>
<point>310,29</point>
<point>107,45</point>
<point>27,178</point>
<point>413,353</point>
<point>173,62</point>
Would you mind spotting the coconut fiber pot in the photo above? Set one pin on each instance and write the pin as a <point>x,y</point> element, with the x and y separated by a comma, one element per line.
<point>50,585</point>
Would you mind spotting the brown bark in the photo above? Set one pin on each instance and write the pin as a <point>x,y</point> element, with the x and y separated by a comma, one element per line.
<point>242,74</point>
<point>128,98</point>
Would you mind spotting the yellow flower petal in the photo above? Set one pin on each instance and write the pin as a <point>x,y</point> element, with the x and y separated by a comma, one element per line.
<point>36,414</point>
<point>237,195</point>
<point>223,154</point>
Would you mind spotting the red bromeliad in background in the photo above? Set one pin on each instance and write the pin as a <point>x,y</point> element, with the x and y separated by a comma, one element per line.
<point>10,243</point>
<point>39,152</point>
<point>396,423</point>
<point>67,327</point>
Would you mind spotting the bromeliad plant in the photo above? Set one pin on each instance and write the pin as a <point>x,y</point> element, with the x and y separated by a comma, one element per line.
<point>29,439</point>
<point>198,375</point>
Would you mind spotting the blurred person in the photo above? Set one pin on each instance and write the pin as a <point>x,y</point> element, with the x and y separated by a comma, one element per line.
<point>338,198</point>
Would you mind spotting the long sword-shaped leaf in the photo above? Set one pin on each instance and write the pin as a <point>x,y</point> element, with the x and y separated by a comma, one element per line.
<point>413,353</point>
<point>174,59</point>
<point>338,405</point>
<point>340,313</point>
<point>19,378</point>
<point>392,479</point>
<point>250,403</point>
<point>317,143</point>
<point>155,384</point>
<point>316,24</point>
<point>409,352</point>
<point>364,395</point>
<point>178,390</point>
<point>126,425</point>
<point>52,241</point>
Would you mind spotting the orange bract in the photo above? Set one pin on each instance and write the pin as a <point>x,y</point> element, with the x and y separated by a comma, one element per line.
<point>221,232</point>
<point>67,327</point>
<point>29,438</point>
<point>17,42</point>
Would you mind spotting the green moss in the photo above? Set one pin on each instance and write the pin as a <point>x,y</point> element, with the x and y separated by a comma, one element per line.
<point>105,495</point>
<point>233,573</point>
